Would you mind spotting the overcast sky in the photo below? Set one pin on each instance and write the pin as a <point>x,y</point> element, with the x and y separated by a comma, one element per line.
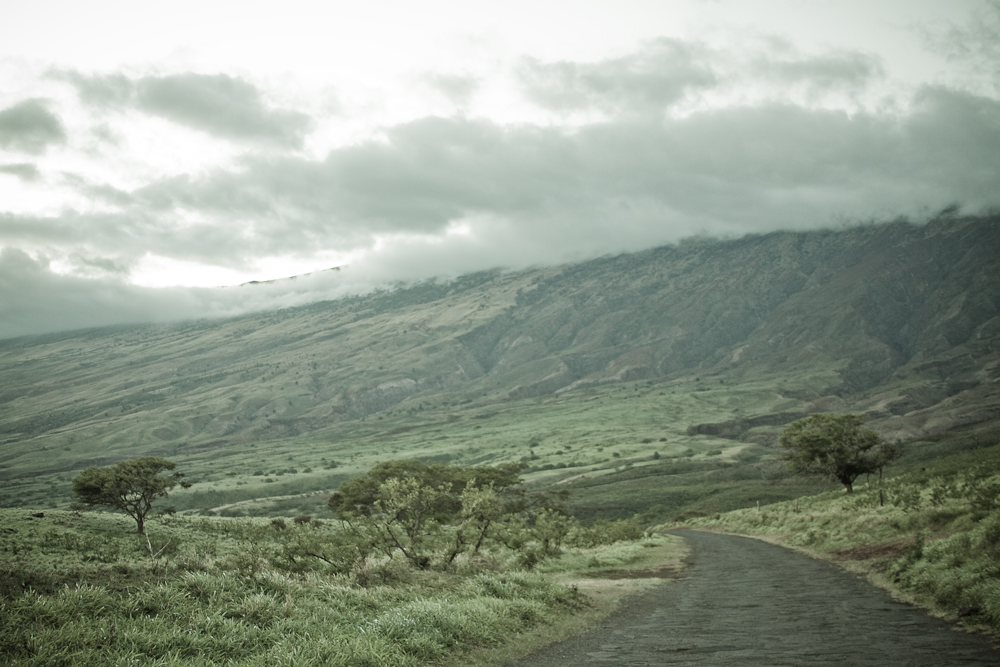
<point>153,152</point>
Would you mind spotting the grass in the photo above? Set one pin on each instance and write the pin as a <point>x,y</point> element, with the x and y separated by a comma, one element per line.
<point>930,534</point>
<point>84,589</point>
<point>597,432</point>
<point>290,403</point>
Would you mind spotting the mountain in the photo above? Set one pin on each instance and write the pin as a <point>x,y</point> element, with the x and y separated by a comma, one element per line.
<point>687,353</point>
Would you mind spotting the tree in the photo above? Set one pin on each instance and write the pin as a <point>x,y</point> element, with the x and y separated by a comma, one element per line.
<point>129,486</point>
<point>431,510</point>
<point>358,495</point>
<point>835,446</point>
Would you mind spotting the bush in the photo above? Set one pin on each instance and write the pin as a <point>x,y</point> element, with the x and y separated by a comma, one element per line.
<point>606,532</point>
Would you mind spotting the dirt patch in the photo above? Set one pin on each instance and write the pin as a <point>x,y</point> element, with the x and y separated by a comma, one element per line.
<point>651,573</point>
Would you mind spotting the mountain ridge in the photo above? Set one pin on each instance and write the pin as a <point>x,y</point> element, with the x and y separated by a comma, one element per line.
<point>898,321</point>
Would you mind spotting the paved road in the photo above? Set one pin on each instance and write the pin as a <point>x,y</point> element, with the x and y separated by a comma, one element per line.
<point>745,602</point>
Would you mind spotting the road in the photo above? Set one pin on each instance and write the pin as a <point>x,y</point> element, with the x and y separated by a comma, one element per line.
<point>746,602</point>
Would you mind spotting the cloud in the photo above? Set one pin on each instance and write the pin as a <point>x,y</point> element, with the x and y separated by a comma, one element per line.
<point>847,70</point>
<point>23,170</point>
<point>437,196</point>
<point>217,104</point>
<point>653,78</point>
<point>618,185</point>
<point>99,90</point>
<point>665,72</point>
<point>30,127</point>
<point>977,43</point>
<point>37,300</point>
<point>457,88</point>
<point>221,105</point>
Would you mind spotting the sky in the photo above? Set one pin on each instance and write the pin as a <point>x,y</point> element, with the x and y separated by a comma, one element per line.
<point>155,158</point>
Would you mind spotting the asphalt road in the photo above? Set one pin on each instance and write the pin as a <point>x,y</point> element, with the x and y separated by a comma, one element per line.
<point>746,602</point>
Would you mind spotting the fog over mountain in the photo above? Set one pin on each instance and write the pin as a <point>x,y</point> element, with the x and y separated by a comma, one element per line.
<point>139,173</point>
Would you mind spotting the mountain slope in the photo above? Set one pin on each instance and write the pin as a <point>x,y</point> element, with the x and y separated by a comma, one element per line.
<point>702,347</point>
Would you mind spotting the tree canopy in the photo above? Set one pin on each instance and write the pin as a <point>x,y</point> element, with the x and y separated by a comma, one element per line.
<point>130,486</point>
<point>421,509</point>
<point>359,494</point>
<point>835,446</point>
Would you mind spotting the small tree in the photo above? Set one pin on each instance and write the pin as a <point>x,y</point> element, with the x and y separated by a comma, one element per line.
<point>129,486</point>
<point>835,446</point>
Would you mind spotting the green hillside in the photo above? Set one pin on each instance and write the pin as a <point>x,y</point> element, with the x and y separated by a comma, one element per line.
<point>652,382</point>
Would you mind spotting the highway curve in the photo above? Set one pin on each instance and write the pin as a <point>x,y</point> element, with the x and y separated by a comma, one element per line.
<point>746,602</point>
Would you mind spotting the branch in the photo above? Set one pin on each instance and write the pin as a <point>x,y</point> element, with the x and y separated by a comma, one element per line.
<point>327,560</point>
<point>149,546</point>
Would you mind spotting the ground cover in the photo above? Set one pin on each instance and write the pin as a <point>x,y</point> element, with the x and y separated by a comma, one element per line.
<point>595,432</point>
<point>929,534</point>
<point>84,588</point>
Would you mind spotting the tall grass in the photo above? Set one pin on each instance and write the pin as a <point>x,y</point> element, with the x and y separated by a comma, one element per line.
<point>83,590</point>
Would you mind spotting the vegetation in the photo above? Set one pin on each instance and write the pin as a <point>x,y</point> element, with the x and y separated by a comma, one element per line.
<point>433,513</point>
<point>835,446</point>
<point>130,486</point>
<point>936,539</point>
<point>625,392</point>
<point>697,351</point>
<point>81,589</point>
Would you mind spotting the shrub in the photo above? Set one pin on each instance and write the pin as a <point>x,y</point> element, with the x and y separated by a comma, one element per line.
<point>606,532</point>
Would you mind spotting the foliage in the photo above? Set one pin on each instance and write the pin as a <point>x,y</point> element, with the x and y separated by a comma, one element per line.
<point>77,589</point>
<point>360,494</point>
<point>835,446</point>
<point>422,512</point>
<point>130,486</point>
<point>607,532</point>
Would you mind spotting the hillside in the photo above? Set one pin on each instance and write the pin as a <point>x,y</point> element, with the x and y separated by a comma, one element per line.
<point>684,359</point>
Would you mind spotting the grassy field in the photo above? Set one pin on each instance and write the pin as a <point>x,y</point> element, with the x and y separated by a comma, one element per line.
<point>620,450</point>
<point>594,432</point>
<point>86,589</point>
<point>930,534</point>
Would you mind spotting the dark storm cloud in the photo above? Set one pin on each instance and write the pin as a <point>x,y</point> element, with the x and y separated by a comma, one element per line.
<point>30,127</point>
<point>654,77</point>
<point>218,104</point>
<point>23,170</point>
